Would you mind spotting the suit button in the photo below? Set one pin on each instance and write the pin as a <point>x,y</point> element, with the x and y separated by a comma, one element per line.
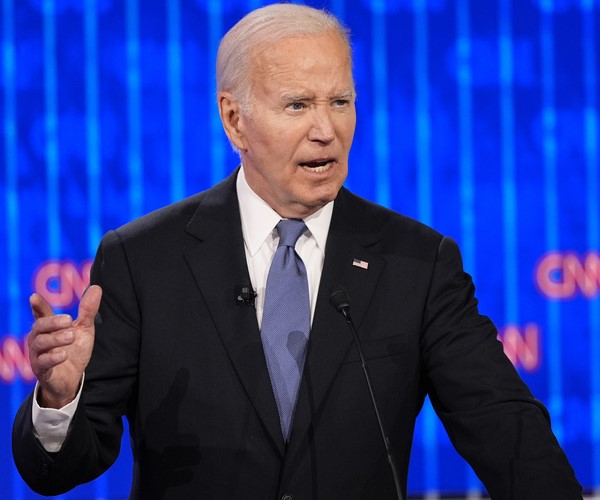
<point>287,496</point>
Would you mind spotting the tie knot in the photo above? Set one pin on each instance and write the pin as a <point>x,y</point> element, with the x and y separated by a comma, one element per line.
<point>289,231</point>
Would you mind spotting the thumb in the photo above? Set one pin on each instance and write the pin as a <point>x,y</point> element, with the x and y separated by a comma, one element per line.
<point>89,305</point>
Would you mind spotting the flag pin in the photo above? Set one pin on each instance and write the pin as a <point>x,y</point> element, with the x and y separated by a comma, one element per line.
<point>363,264</point>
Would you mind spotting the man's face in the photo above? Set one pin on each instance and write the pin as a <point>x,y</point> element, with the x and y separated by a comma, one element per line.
<point>296,141</point>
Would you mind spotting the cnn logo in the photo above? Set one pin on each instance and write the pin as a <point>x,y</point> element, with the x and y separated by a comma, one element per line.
<point>563,275</point>
<point>62,283</point>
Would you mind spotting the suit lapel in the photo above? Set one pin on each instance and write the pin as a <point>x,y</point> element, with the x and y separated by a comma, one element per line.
<point>350,237</point>
<point>217,260</point>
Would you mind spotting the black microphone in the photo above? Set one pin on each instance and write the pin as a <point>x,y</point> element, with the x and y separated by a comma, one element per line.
<point>244,294</point>
<point>340,300</point>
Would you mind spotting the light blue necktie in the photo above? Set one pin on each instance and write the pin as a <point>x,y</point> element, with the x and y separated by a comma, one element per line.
<point>286,321</point>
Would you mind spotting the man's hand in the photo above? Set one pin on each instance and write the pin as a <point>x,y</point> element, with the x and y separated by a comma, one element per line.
<point>60,348</point>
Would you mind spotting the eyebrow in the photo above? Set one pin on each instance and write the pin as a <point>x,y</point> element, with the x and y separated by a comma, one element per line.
<point>350,93</point>
<point>289,97</point>
<point>295,97</point>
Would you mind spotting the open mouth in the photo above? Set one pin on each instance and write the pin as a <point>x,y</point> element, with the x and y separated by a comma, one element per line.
<point>318,166</point>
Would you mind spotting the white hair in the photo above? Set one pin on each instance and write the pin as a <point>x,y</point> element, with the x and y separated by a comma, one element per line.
<point>263,27</point>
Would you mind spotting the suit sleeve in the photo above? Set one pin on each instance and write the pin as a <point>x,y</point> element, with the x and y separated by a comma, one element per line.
<point>94,436</point>
<point>489,413</point>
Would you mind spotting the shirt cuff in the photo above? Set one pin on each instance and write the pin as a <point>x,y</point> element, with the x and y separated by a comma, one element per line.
<point>50,426</point>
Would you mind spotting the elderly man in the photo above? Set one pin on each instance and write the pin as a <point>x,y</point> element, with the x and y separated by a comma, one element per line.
<point>212,331</point>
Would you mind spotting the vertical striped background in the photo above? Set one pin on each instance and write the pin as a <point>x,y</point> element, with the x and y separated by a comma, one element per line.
<point>478,117</point>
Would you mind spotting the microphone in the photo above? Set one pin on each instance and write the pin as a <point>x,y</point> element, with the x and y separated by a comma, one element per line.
<point>340,300</point>
<point>244,294</point>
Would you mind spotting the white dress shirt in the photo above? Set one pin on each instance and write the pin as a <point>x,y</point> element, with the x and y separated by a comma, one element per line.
<point>260,242</point>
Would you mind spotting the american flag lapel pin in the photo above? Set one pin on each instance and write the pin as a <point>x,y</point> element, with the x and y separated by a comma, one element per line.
<point>363,264</point>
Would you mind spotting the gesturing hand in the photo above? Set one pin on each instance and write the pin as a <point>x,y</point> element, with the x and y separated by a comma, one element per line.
<point>60,348</point>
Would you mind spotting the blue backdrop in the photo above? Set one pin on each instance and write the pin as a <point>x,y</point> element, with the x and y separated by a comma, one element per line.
<point>480,118</point>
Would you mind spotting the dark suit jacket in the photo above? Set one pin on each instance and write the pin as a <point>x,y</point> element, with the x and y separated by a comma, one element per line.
<point>182,359</point>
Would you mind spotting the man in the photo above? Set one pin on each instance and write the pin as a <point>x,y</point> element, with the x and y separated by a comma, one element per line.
<point>179,350</point>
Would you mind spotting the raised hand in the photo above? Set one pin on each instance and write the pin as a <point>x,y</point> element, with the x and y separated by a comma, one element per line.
<point>60,347</point>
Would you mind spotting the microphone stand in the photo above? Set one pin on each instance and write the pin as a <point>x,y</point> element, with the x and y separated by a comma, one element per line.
<point>340,300</point>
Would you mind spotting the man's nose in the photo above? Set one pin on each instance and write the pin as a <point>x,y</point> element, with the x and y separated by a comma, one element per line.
<point>321,127</point>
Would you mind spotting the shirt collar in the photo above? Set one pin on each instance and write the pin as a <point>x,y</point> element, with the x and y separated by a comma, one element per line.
<point>259,219</point>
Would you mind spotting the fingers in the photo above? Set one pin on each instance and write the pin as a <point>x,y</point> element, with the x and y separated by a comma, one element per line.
<point>89,305</point>
<point>48,360</point>
<point>45,319</point>
<point>48,349</point>
<point>60,348</point>
<point>39,307</point>
<point>44,343</point>
<point>51,335</point>
<point>50,324</point>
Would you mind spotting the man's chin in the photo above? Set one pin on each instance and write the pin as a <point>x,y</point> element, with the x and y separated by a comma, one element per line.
<point>316,204</point>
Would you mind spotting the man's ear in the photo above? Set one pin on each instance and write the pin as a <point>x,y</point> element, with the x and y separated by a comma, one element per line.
<point>229,110</point>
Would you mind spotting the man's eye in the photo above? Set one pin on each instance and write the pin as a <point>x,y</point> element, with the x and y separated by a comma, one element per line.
<point>340,102</point>
<point>296,105</point>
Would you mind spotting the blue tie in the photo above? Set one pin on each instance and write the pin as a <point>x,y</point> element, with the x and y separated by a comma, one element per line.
<point>286,321</point>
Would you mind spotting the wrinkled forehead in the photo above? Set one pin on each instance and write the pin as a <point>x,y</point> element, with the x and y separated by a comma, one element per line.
<point>300,56</point>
